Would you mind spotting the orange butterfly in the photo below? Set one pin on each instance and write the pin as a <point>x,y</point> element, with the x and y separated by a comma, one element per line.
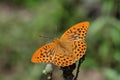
<point>66,50</point>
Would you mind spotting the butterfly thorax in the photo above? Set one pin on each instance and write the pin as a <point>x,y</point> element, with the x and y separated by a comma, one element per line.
<point>59,43</point>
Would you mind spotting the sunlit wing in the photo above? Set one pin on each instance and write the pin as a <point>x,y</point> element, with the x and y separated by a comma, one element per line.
<point>44,54</point>
<point>76,32</point>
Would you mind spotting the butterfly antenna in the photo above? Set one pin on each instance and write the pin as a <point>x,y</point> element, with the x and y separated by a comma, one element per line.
<point>56,30</point>
<point>45,37</point>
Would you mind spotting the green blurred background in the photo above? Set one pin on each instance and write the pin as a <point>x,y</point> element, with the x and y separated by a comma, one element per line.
<point>22,21</point>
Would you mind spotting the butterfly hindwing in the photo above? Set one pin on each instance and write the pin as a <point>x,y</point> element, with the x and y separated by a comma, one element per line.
<point>79,48</point>
<point>44,54</point>
<point>63,60</point>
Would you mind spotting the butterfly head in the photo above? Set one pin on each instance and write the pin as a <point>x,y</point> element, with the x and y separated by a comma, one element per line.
<point>57,41</point>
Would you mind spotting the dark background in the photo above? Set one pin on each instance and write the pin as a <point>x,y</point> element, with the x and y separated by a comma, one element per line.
<point>22,21</point>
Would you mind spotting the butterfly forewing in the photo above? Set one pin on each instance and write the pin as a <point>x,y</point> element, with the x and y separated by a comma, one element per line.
<point>76,32</point>
<point>44,54</point>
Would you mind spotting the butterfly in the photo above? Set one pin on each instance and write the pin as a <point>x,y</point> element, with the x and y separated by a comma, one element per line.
<point>66,50</point>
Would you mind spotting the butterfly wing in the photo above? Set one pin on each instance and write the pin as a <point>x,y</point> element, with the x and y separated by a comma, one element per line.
<point>44,54</point>
<point>79,48</point>
<point>62,58</point>
<point>74,44</point>
<point>76,32</point>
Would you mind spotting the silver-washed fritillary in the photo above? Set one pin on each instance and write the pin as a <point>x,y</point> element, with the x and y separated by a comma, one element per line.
<point>66,50</point>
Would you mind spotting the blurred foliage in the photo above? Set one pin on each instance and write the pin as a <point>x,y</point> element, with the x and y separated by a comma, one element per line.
<point>22,21</point>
